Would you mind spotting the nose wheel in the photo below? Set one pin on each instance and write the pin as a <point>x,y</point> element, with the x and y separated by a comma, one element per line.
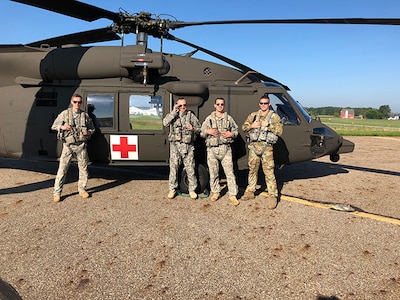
<point>334,157</point>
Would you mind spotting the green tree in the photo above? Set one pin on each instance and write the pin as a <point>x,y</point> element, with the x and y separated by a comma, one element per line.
<point>385,111</point>
<point>373,113</point>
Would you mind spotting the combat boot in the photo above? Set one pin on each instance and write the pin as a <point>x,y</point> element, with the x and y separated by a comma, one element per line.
<point>193,195</point>
<point>171,194</point>
<point>57,198</point>
<point>272,202</point>
<point>233,200</point>
<point>84,194</point>
<point>247,196</point>
<point>214,197</point>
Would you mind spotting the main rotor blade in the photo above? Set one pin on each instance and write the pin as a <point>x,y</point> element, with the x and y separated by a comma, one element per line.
<point>73,8</point>
<point>81,38</point>
<point>359,21</point>
<point>233,63</point>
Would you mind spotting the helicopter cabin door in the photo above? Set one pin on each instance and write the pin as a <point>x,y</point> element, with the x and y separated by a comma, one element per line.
<point>141,138</point>
<point>130,130</point>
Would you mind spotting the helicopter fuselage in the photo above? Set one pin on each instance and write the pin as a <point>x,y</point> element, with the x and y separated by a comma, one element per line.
<point>132,88</point>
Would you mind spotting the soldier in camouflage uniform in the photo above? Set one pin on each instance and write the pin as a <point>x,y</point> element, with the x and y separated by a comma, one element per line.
<point>74,128</point>
<point>263,128</point>
<point>219,129</point>
<point>184,127</point>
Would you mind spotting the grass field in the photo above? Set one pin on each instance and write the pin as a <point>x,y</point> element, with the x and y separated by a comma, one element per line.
<point>346,127</point>
<point>140,122</point>
<point>351,127</point>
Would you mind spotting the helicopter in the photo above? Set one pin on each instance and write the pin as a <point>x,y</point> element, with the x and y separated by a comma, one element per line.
<point>132,87</point>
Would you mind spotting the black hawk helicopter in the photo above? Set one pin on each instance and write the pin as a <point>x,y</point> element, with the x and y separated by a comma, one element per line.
<point>133,87</point>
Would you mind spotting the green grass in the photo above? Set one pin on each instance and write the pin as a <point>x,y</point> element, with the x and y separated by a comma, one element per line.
<point>345,127</point>
<point>358,127</point>
<point>146,123</point>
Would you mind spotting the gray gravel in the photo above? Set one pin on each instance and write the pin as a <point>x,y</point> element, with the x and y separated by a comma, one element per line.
<point>128,241</point>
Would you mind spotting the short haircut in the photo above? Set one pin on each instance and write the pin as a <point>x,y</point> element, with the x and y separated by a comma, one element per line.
<point>76,96</point>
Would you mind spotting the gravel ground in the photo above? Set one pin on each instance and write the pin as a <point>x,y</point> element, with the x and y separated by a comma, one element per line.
<point>129,241</point>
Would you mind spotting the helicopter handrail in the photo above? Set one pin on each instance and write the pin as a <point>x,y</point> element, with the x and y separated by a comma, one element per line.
<point>244,76</point>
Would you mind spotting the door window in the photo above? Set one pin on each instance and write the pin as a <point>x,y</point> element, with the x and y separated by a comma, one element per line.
<point>103,108</point>
<point>145,112</point>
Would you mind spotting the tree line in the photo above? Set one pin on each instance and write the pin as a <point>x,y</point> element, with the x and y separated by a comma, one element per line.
<point>383,112</point>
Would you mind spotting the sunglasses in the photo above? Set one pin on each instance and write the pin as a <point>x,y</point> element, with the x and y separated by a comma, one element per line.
<point>264,103</point>
<point>182,105</point>
<point>219,104</point>
<point>77,102</point>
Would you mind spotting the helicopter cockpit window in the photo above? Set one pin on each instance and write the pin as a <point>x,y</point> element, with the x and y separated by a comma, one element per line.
<point>145,112</point>
<point>103,108</point>
<point>282,107</point>
<point>303,111</point>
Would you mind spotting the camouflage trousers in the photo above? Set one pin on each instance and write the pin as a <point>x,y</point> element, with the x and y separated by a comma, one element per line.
<point>181,153</point>
<point>268,167</point>
<point>223,154</point>
<point>68,152</point>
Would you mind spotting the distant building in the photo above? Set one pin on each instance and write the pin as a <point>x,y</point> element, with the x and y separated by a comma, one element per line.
<point>143,112</point>
<point>347,113</point>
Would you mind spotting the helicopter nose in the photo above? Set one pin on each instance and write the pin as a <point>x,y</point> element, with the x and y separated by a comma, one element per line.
<point>325,141</point>
<point>346,147</point>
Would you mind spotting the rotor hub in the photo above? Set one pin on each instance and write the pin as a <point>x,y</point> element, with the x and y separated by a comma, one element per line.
<point>142,22</point>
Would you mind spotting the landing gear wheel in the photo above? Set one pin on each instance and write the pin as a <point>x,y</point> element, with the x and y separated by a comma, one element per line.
<point>334,157</point>
<point>202,180</point>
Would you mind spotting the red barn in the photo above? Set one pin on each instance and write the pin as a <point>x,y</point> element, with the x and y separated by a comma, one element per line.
<point>347,113</point>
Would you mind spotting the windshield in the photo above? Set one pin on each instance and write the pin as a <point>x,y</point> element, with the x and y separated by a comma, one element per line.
<point>284,108</point>
<point>303,111</point>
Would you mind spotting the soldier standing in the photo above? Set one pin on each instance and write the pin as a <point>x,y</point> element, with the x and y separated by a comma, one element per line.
<point>219,129</point>
<point>184,127</point>
<point>74,128</point>
<point>263,128</point>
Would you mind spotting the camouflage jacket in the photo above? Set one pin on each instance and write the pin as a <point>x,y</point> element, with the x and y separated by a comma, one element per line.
<point>263,134</point>
<point>275,124</point>
<point>223,124</point>
<point>79,121</point>
<point>178,131</point>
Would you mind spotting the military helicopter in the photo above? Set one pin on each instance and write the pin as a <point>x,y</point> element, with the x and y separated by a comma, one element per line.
<point>132,87</point>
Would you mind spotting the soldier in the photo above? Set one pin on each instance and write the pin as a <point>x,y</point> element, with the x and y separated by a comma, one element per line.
<point>219,129</point>
<point>74,128</point>
<point>184,127</point>
<point>263,128</point>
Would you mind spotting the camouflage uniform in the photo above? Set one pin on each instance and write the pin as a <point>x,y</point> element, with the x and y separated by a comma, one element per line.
<point>74,145</point>
<point>262,152</point>
<point>181,146</point>
<point>219,150</point>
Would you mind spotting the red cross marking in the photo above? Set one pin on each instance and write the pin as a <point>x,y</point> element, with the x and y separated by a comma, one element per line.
<point>123,147</point>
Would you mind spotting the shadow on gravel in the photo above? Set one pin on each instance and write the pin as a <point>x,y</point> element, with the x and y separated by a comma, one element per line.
<point>304,170</point>
<point>308,170</point>
<point>119,175</point>
<point>315,169</point>
<point>123,174</point>
<point>7,292</point>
